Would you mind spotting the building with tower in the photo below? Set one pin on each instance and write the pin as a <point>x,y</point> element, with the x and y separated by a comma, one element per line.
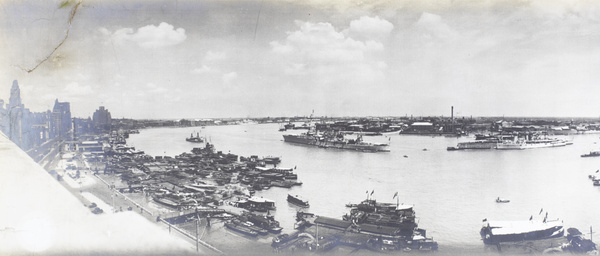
<point>14,118</point>
<point>29,130</point>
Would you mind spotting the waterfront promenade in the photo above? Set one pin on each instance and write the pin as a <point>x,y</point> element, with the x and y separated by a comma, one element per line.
<point>103,191</point>
<point>40,216</point>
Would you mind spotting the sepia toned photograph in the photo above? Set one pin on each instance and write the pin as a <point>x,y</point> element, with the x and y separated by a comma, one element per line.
<point>280,127</point>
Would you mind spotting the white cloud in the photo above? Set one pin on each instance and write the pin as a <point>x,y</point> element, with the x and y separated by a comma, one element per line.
<point>331,56</point>
<point>203,70</point>
<point>73,89</point>
<point>150,36</point>
<point>152,88</point>
<point>295,69</point>
<point>281,48</point>
<point>432,26</point>
<point>229,78</point>
<point>104,31</point>
<point>215,56</point>
<point>322,43</point>
<point>370,28</point>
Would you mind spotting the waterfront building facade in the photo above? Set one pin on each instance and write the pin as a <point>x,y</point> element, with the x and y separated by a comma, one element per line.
<point>14,117</point>
<point>82,126</point>
<point>28,129</point>
<point>61,119</point>
<point>102,120</point>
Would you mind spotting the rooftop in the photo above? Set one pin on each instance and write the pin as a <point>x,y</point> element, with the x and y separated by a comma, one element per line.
<point>41,216</point>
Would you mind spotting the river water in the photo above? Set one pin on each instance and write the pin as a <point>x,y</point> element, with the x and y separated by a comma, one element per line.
<point>452,191</point>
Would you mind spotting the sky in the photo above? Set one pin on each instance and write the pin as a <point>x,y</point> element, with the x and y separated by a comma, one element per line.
<point>220,59</point>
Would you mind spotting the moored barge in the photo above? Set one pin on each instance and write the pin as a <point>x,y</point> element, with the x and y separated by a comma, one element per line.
<point>296,200</point>
<point>494,232</point>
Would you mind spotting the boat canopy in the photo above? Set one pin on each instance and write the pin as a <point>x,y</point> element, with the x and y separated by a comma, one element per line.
<point>422,124</point>
<point>260,200</point>
<point>520,227</point>
<point>418,237</point>
<point>283,169</point>
<point>404,207</point>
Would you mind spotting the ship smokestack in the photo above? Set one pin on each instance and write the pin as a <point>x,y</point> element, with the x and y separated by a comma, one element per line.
<point>452,118</point>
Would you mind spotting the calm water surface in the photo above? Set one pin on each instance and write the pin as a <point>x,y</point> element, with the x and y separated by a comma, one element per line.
<point>452,190</point>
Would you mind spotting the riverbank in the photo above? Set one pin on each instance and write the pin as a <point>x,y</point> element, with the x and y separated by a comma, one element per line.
<point>368,170</point>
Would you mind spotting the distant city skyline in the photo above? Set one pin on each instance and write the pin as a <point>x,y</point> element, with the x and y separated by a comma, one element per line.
<point>220,59</point>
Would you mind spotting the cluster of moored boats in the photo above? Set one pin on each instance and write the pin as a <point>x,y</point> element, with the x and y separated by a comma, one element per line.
<point>369,224</point>
<point>265,177</point>
<point>253,225</point>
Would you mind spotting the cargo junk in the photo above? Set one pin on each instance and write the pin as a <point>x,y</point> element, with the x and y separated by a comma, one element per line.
<point>510,142</point>
<point>333,139</point>
<point>370,225</point>
<point>393,226</point>
<point>494,232</point>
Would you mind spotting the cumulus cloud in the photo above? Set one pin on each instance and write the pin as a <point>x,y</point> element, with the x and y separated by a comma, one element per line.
<point>229,78</point>
<point>209,61</point>
<point>322,43</point>
<point>214,56</point>
<point>203,70</point>
<point>432,25</point>
<point>150,36</point>
<point>370,28</point>
<point>335,56</point>
<point>152,88</point>
<point>75,90</point>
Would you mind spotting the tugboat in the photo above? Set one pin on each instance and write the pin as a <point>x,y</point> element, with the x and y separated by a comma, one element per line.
<point>196,139</point>
<point>298,201</point>
<point>500,200</point>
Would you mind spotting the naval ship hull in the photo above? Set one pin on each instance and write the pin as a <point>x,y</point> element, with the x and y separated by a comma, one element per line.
<point>324,143</point>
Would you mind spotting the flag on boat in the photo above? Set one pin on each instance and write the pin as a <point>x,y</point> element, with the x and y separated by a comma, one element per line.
<point>541,210</point>
<point>367,191</point>
<point>395,195</point>
<point>372,191</point>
